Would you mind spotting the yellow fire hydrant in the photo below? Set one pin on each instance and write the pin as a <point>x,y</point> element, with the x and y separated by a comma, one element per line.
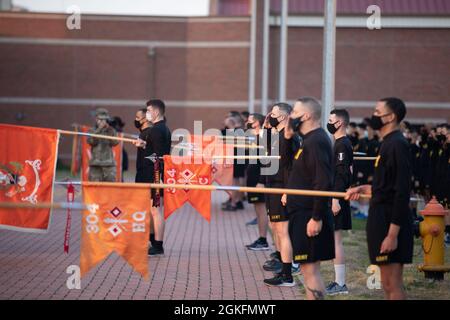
<point>431,231</point>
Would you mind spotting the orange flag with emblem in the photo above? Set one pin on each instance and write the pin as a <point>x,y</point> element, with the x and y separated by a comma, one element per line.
<point>118,221</point>
<point>27,171</point>
<point>180,170</point>
<point>210,146</point>
<point>86,155</point>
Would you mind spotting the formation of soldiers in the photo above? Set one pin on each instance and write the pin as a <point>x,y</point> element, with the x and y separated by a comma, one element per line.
<point>307,230</point>
<point>430,158</point>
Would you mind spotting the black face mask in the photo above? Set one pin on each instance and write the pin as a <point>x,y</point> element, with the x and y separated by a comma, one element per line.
<point>295,124</point>
<point>273,122</point>
<point>331,128</point>
<point>376,123</point>
<point>441,138</point>
<point>137,124</point>
<point>249,126</point>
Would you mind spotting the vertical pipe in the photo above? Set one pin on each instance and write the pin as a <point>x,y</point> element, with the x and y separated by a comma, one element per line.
<point>252,59</point>
<point>329,52</point>
<point>265,59</point>
<point>283,51</point>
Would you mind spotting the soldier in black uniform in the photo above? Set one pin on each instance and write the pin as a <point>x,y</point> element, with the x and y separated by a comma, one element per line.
<point>255,125</point>
<point>389,226</point>
<point>156,140</point>
<point>343,163</point>
<point>276,123</point>
<point>310,218</point>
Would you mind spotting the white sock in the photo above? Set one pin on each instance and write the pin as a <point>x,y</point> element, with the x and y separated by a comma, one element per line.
<point>339,270</point>
<point>295,265</point>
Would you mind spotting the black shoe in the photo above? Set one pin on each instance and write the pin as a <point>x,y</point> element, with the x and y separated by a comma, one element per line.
<point>229,207</point>
<point>280,280</point>
<point>258,245</point>
<point>240,205</point>
<point>273,266</point>
<point>224,204</point>
<point>274,256</point>
<point>154,251</point>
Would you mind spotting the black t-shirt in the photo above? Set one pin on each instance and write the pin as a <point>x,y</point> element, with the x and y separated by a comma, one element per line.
<point>343,161</point>
<point>391,183</point>
<point>281,147</point>
<point>158,141</point>
<point>312,170</point>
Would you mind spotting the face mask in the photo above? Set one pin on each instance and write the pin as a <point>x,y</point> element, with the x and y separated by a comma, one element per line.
<point>273,122</point>
<point>137,124</point>
<point>376,123</point>
<point>441,138</point>
<point>331,128</point>
<point>249,126</point>
<point>296,123</point>
<point>148,116</point>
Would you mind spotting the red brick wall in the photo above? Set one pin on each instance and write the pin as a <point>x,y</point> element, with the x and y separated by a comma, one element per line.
<point>412,64</point>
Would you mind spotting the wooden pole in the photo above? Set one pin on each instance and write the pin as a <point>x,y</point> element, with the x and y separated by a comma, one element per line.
<point>99,136</point>
<point>129,135</point>
<point>44,205</point>
<point>315,193</point>
<point>244,146</point>
<point>246,157</point>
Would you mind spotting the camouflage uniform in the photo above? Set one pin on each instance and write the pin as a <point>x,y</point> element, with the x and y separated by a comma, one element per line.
<point>102,166</point>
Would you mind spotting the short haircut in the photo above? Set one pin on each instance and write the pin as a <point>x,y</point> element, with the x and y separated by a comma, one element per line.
<point>144,110</point>
<point>258,117</point>
<point>352,124</point>
<point>397,106</point>
<point>342,114</point>
<point>362,126</point>
<point>284,107</point>
<point>234,113</point>
<point>245,114</point>
<point>313,106</point>
<point>157,104</point>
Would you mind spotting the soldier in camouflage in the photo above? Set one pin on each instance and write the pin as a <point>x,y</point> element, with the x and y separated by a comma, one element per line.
<point>102,166</point>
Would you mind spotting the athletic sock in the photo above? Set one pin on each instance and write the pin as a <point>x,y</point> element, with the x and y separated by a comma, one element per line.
<point>339,270</point>
<point>278,255</point>
<point>287,270</point>
<point>152,239</point>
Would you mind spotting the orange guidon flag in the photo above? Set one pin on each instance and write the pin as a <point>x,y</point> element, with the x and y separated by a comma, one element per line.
<point>182,170</point>
<point>27,172</point>
<point>118,220</point>
<point>209,147</point>
<point>86,155</point>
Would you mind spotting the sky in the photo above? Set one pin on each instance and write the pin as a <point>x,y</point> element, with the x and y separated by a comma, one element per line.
<point>122,7</point>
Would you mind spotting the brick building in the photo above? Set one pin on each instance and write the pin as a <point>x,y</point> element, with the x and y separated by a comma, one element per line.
<point>51,76</point>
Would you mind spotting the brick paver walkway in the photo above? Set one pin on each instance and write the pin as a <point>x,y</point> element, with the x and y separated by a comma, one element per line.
<point>202,261</point>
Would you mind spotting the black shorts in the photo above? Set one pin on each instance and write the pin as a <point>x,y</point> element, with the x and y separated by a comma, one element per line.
<point>311,249</point>
<point>343,221</point>
<point>275,210</point>
<point>239,170</point>
<point>377,228</point>
<point>253,173</point>
<point>147,175</point>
